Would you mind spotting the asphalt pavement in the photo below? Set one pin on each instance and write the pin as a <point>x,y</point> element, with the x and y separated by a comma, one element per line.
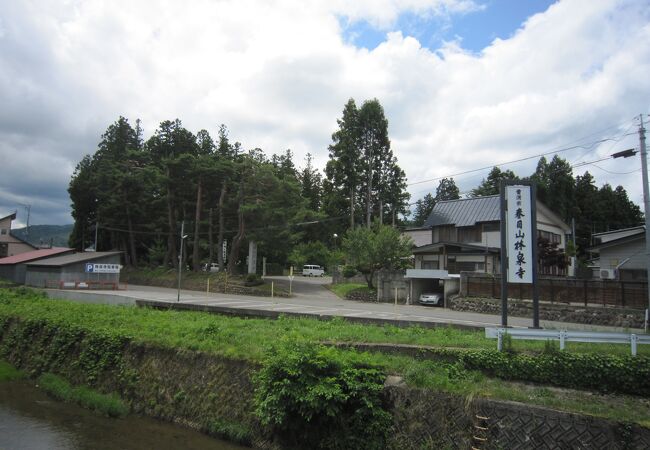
<point>311,298</point>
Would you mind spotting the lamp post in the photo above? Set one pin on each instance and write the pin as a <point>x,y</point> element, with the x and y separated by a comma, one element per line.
<point>180,261</point>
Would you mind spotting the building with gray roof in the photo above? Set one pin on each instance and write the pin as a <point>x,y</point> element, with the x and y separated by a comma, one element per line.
<point>77,270</point>
<point>464,235</point>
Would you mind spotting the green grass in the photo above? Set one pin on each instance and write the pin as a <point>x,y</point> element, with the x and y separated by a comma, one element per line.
<point>343,289</point>
<point>250,339</point>
<point>9,372</point>
<point>109,405</point>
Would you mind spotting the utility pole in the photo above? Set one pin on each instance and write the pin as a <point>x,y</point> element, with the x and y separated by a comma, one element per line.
<point>368,205</point>
<point>573,238</point>
<point>180,261</point>
<point>646,209</point>
<point>96,228</point>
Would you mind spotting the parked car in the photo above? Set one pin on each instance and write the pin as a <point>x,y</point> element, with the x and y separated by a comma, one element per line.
<point>310,270</point>
<point>214,267</point>
<point>431,298</point>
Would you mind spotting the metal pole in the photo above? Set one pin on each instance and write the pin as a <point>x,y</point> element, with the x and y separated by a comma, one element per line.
<point>533,227</point>
<point>180,262</point>
<point>504,262</point>
<point>646,204</point>
<point>573,237</point>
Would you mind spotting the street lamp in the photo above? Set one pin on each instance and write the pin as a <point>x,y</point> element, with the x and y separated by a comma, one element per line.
<point>180,261</point>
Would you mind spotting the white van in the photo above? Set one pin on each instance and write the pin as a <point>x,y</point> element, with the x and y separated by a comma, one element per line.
<point>309,270</point>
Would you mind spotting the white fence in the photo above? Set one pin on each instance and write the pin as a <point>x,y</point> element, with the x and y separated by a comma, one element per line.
<point>565,336</point>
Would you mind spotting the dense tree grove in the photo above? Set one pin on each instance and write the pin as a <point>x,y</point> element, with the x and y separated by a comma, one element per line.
<point>134,195</point>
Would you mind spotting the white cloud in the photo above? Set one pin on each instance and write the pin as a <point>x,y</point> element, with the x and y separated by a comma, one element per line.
<point>278,74</point>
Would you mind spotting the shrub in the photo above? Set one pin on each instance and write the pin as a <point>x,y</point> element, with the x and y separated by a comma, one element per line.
<point>604,373</point>
<point>349,271</point>
<point>253,279</point>
<point>312,397</point>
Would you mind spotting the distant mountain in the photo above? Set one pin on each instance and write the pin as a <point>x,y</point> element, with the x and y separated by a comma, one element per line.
<point>41,234</point>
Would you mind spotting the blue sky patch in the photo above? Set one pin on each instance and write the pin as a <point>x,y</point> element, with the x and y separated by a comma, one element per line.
<point>475,30</point>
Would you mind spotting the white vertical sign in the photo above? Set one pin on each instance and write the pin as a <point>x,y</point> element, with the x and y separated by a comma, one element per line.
<point>519,234</point>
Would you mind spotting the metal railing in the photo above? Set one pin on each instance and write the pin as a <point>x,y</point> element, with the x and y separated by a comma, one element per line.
<point>565,336</point>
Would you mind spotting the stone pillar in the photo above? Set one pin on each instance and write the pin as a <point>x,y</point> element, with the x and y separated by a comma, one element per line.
<point>252,257</point>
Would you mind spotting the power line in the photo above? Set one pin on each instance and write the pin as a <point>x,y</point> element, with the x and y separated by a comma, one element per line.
<point>566,149</point>
<point>272,227</point>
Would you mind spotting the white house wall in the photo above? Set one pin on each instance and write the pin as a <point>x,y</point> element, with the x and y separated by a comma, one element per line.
<point>492,239</point>
<point>419,237</point>
<point>611,257</point>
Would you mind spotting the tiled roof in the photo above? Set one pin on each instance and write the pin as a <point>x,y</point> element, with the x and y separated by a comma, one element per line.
<point>31,256</point>
<point>465,212</point>
<point>72,259</point>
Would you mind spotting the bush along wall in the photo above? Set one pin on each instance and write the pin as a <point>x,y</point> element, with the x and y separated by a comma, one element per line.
<point>604,373</point>
<point>313,396</point>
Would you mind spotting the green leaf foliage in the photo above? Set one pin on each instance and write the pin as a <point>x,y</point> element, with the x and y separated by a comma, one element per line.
<point>313,397</point>
<point>604,373</point>
<point>372,249</point>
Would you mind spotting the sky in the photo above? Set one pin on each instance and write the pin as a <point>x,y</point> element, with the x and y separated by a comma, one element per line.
<point>465,84</point>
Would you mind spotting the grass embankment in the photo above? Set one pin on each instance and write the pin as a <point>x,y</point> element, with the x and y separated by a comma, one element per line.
<point>10,373</point>
<point>251,339</point>
<point>343,289</point>
<point>57,387</point>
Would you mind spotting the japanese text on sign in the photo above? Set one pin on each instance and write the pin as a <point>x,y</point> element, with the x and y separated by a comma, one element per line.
<point>102,268</point>
<point>519,234</point>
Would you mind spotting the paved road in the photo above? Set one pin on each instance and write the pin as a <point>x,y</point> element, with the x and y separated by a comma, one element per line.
<point>309,288</point>
<point>314,300</point>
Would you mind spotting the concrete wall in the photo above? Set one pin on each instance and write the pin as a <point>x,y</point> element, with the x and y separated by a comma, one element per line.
<point>7,272</point>
<point>388,281</point>
<point>419,237</point>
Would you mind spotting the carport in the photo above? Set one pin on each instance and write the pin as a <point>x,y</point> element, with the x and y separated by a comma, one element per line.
<point>430,280</point>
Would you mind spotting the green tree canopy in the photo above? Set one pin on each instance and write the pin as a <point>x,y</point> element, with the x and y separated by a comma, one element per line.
<point>490,185</point>
<point>375,248</point>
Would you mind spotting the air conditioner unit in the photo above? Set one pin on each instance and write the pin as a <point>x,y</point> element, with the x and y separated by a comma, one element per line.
<point>608,274</point>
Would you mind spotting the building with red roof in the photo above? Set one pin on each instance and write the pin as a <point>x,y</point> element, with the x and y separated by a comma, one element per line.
<point>14,267</point>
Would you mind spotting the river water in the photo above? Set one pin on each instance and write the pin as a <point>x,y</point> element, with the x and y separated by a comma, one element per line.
<point>30,420</point>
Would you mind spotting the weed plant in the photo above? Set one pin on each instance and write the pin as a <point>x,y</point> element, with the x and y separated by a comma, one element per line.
<point>9,372</point>
<point>109,405</point>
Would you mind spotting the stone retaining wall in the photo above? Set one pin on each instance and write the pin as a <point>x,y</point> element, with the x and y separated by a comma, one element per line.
<point>211,393</point>
<point>557,312</point>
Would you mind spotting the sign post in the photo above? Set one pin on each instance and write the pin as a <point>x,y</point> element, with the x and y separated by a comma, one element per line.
<point>518,242</point>
<point>290,279</point>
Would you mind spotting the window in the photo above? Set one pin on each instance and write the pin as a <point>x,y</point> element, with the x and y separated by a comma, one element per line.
<point>494,226</point>
<point>430,265</point>
<point>551,237</point>
<point>469,234</point>
<point>465,266</point>
<point>3,231</point>
<point>447,234</point>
